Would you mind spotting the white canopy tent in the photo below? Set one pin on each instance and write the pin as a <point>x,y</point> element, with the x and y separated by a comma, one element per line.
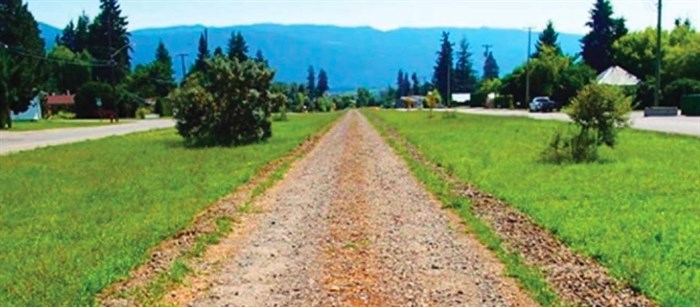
<point>32,113</point>
<point>617,76</point>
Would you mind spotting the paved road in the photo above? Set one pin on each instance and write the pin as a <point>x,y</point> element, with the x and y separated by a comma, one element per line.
<point>18,141</point>
<point>678,124</point>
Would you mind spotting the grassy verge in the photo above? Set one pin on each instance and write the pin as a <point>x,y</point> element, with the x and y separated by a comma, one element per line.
<point>637,212</point>
<point>530,278</point>
<point>77,217</point>
<point>55,124</point>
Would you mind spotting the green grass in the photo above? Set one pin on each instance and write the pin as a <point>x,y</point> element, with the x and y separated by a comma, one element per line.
<point>56,123</point>
<point>77,217</point>
<point>637,211</point>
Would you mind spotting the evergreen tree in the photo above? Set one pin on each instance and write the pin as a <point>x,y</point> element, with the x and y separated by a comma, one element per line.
<point>237,47</point>
<point>464,76</point>
<point>109,42</point>
<point>400,85</point>
<point>597,48</point>
<point>322,86</point>
<point>163,71</point>
<point>20,74</point>
<point>407,85</point>
<point>443,65</point>
<point>259,58</point>
<point>202,52</point>
<point>82,33</point>
<point>311,83</point>
<point>491,69</point>
<point>67,37</point>
<point>218,51</point>
<point>548,37</point>
<point>416,84</point>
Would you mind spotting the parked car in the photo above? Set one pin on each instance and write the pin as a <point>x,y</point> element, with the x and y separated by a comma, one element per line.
<point>544,104</point>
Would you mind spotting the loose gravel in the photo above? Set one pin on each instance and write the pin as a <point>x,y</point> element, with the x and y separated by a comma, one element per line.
<point>350,226</point>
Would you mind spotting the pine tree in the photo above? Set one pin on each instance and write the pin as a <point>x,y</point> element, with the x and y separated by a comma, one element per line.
<point>443,65</point>
<point>491,69</point>
<point>597,49</point>
<point>82,33</point>
<point>237,47</point>
<point>109,42</point>
<point>416,84</point>
<point>20,74</point>
<point>67,37</point>
<point>464,76</point>
<point>322,86</point>
<point>163,66</point>
<point>202,53</point>
<point>548,37</point>
<point>311,83</point>
<point>399,85</point>
<point>259,58</point>
<point>407,85</point>
<point>218,51</point>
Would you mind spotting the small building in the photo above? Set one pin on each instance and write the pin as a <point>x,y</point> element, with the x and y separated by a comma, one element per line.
<point>414,101</point>
<point>461,98</point>
<point>63,102</point>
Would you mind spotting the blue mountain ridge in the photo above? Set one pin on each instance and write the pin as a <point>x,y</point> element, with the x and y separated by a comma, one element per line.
<point>352,56</point>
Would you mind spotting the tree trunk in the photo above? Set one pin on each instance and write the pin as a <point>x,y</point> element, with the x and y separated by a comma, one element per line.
<point>5,119</point>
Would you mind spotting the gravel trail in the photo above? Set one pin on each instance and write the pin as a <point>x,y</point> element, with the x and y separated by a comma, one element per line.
<point>349,225</point>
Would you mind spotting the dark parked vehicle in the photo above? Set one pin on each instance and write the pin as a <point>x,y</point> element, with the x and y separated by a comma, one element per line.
<point>544,104</point>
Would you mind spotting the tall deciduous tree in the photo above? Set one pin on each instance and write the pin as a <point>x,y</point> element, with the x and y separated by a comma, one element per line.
<point>597,50</point>
<point>202,53</point>
<point>548,37</point>
<point>20,73</point>
<point>311,83</point>
<point>491,69</point>
<point>443,65</point>
<point>109,42</point>
<point>68,70</point>
<point>322,86</point>
<point>237,47</point>
<point>464,76</point>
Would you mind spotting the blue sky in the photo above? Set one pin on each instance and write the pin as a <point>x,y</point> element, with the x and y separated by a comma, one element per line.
<point>568,15</point>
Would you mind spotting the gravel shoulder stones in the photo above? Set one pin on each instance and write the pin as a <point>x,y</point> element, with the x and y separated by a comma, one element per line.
<point>349,225</point>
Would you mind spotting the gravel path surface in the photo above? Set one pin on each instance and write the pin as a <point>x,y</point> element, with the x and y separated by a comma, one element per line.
<point>350,226</point>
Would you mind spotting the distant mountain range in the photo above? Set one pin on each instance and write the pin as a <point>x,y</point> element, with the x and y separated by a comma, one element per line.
<point>352,56</point>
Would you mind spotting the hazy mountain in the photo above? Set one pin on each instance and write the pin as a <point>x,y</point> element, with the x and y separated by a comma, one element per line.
<point>359,56</point>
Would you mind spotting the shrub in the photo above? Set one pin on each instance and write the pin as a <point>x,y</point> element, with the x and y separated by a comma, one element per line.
<point>85,99</point>
<point>228,103</point>
<point>141,112</point>
<point>63,115</point>
<point>163,107</point>
<point>691,105</point>
<point>675,90</point>
<point>432,99</point>
<point>504,102</point>
<point>598,111</point>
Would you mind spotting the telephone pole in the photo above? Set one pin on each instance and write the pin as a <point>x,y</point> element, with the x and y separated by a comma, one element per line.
<point>486,49</point>
<point>527,66</point>
<point>657,88</point>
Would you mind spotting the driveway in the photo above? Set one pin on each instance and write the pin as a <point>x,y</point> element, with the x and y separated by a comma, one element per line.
<point>679,124</point>
<point>18,141</point>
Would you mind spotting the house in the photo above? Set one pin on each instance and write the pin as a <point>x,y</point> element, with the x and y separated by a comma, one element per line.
<point>461,98</point>
<point>415,102</point>
<point>63,102</point>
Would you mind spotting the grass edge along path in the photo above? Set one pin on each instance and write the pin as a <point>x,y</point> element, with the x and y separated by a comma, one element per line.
<point>529,277</point>
<point>103,204</point>
<point>175,260</point>
<point>51,124</point>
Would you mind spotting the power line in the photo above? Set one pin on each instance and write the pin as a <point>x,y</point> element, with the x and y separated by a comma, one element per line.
<point>31,54</point>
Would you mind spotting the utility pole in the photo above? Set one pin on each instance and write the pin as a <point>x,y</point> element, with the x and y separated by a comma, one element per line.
<point>527,66</point>
<point>486,49</point>
<point>657,88</point>
<point>182,61</point>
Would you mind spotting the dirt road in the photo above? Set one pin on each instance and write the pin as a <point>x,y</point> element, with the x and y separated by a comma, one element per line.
<point>349,225</point>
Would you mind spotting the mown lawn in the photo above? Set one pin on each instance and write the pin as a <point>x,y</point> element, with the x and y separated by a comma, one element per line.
<point>637,211</point>
<point>77,217</point>
<point>55,123</point>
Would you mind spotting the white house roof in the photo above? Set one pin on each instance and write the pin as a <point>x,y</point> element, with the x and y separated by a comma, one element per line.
<point>617,76</point>
<point>461,97</point>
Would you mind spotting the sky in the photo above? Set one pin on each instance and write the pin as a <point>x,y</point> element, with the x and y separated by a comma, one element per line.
<point>568,16</point>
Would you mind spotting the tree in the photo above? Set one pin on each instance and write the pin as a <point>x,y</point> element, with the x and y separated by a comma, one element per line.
<point>322,86</point>
<point>548,37</point>
<point>86,99</point>
<point>202,53</point>
<point>218,51</point>
<point>432,99</point>
<point>260,58</point>
<point>237,47</point>
<point>416,89</point>
<point>464,76</point>
<point>20,73</point>
<point>228,103</point>
<point>68,70</point>
<point>109,42</point>
<point>67,37</point>
<point>443,65</point>
<point>82,33</point>
<point>491,69</point>
<point>605,30</point>
<point>162,71</point>
<point>364,97</point>
<point>311,83</point>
